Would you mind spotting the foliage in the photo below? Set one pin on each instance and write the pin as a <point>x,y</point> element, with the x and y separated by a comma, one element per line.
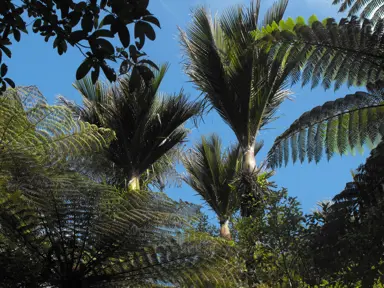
<point>269,241</point>
<point>82,24</point>
<point>236,77</point>
<point>148,126</point>
<point>70,231</point>
<point>346,52</point>
<point>339,126</point>
<point>210,172</point>
<point>369,8</point>
<point>347,234</point>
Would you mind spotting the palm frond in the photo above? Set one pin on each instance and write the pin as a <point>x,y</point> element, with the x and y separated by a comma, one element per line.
<point>240,81</point>
<point>340,126</point>
<point>210,172</point>
<point>275,13</point>
<point>148,125</point>
<point>346,52</point>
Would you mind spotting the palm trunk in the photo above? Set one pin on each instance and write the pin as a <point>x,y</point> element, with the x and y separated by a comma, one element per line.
<point>224,230</point>
<point>134,183</point>
<point>249,162</point>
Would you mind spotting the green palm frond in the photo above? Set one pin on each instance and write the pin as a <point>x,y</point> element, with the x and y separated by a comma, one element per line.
<point>237,77</point>
<point>29,127</point>
<point>337,127</point>
<point>324,52</point>
<point>373,9</point>
<point>148,125</point>
<point>210,172</point>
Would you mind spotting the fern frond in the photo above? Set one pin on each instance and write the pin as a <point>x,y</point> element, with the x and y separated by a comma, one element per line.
<point>350,51</point>
<point>367,8</point>
<point>340,126</point>
<point>29,126</point>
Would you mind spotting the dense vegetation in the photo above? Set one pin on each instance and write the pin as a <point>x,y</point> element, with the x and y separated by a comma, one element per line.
<point>79,184</point>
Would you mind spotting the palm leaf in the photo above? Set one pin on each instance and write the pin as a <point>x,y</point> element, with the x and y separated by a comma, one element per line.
<point>341,125</point>
<point>243,85</point>
<point>148,125</point>
<point>210,172</point>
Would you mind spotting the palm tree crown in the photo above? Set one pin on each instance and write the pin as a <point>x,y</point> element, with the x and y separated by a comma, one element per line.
<point>210,172</point>
<point>240,81</point>
<point>148,125</point>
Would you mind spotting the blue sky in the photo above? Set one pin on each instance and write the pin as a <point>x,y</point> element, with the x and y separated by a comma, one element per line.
<point>34,62</point>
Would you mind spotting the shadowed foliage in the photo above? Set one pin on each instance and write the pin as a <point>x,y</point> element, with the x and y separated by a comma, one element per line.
<point>61,229</point>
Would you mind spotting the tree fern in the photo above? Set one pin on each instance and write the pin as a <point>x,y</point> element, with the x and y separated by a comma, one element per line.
<point>29,127</point>
<point>340,126</point>
<point>373,9</point>
<point>346,52</point>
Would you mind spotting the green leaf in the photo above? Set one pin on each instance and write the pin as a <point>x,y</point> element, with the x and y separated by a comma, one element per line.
<point>300,20</point>
<point>124,35</point>
<point>84,68</point>
<point>290,23</point>
<point>312,19</point>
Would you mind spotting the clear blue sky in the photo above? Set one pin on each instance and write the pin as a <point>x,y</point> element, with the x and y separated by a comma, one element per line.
<point>34,62</point>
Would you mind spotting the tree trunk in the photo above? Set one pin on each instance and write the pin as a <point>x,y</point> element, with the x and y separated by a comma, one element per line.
<point>224,230</point>
<point>249,162</point>
<point>134,183</point>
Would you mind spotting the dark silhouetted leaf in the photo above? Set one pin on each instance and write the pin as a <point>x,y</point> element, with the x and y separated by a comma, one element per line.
<point>124,35</point>
<point>150,63</point>
<point>134,81</point>
<point>83,69</point>
<point>106,46</point>
<point>87,23</point>
<point>153,20</point>
<point>3,70</point>
<point>16,34</point>
<point>10,82</point>
<point>108,20</point>
<point>102,33</point>
<point>124,67</point>
<point>77,36</point>
<point>95,74</point>
<point>108,71</point>
<point>36,25</point>
<point>6,51</point>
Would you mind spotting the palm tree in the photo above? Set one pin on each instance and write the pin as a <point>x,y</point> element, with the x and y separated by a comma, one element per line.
<point>61,229</point>
<point>210,173</point>
<point>148,126</point>
<point>237,77</point>
<point>350,52</point>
